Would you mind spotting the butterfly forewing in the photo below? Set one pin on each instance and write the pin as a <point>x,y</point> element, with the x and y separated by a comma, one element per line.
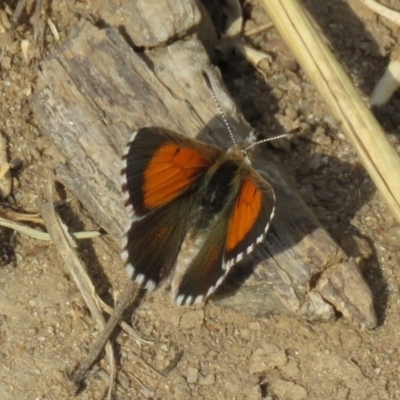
<point>251,216</point>
<point>160,165</point>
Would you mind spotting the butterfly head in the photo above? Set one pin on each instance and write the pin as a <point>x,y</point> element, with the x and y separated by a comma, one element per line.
<point>242,150</point>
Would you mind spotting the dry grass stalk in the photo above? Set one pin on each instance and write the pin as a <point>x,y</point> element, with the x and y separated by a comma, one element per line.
<point>234,34</point>
<point>383,11</point>
<point>389,82</point>
<point>6,39</point>
<point>65,247</point>
<point>335,87</point>
<point>5,174</point>
<point>258,29</point>
<point>36,234</point>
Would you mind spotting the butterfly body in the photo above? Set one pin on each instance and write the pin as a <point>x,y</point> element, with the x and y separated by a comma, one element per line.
<point>195,211</point>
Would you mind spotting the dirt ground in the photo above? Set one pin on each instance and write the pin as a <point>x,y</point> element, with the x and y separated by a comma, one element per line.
<point>211,353</point>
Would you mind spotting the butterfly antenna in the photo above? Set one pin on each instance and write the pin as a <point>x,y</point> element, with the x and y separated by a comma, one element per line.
<point>207,80</point>
<point>270,139</point>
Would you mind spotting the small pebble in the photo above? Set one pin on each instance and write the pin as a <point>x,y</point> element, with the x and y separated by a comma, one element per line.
<point>286,390</point>
<point>192,319</point>
<point>192,375</point>
<point>207,380</point>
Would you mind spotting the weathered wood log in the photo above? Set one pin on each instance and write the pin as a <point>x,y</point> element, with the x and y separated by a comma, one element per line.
<point>96,90</point>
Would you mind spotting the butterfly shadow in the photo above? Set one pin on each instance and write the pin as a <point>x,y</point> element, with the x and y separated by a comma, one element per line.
<point>326,204</point>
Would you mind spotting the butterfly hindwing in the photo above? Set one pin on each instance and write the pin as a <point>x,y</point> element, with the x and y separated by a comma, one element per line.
<point>205,272</point>
<point>241,225</point>
<point>152,243</point>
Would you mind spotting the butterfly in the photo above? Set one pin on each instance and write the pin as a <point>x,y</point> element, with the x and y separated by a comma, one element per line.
<point>190,203</point>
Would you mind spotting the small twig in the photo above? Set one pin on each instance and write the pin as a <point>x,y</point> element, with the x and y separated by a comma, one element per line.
<point>14,20</point>
<point>53,29</point>
<point>12,215</point>
<point>92,301</point>
<point>383,11</point>
<point>26,230</point>
<point>126,327</point>
<point>144,390</point>
<point>255,57</point>
<point>66,251</point>
<point>234,32</point>
<point>388,83</point>
<point>131,331</point>
<point>38,21</point>
<point>5,174</point>
<point>258,29</point>
<point>124,301</point>
<point>173,363</point>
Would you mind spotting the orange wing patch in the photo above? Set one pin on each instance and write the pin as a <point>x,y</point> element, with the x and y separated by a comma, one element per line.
<point>171,170</point>
<point>247,209</point>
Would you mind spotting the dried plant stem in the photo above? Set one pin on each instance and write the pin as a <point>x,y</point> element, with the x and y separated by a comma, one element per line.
<point>124,301</point>
<point>26,230</point>
<point>65,247</point>
<point>385,12</point>
<point>258,29</point>
<point>14,20</point>
<point>335,87</point>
